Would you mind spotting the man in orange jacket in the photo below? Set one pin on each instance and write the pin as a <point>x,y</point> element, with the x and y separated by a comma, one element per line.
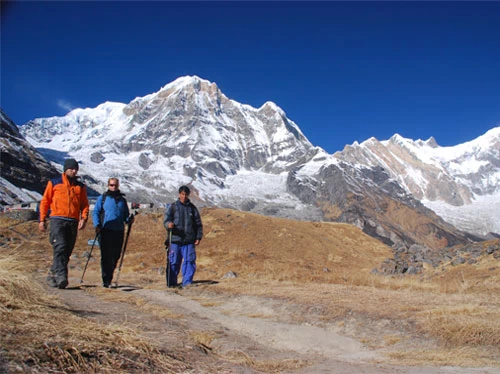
<point>66,198</point>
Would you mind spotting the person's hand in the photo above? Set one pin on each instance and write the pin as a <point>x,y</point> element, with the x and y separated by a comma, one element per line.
<point>81,224</point>
<point>98,229</point>
<point>170,225</point>
<point>41,226</point>
<point>196,242</point>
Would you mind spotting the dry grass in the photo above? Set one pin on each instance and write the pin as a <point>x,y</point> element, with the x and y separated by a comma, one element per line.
<point>40,335</point>
<point>319,271</point>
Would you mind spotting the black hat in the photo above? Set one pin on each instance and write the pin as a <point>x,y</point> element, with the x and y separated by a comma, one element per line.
<point>184,189</point>
<point>70,163</point>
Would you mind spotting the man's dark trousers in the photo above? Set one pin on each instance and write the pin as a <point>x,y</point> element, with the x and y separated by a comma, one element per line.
<point>63,238</point>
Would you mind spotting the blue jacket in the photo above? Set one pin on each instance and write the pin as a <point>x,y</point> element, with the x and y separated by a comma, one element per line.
<point>187,222</point>
<point>116,212</point>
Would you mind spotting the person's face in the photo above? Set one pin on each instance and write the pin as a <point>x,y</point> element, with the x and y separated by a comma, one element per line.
<point>71,173</point>
<point>113,185</point>
<point>183,196</point>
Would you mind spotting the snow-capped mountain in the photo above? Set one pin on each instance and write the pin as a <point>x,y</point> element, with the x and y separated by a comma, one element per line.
<point>186,133</point>
<point>232,155</point>
<point>456,182</point>
<point>22,166</point>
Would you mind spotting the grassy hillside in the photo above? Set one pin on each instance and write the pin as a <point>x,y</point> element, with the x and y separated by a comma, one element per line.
<point>445,316</point>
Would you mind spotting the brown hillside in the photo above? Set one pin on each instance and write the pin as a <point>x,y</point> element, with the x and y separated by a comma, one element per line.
<point>295,281</point>
<point>258,247</point>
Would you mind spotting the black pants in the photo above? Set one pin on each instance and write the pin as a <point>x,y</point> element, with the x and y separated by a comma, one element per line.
<point>63,238</point>
<point>111,243</point>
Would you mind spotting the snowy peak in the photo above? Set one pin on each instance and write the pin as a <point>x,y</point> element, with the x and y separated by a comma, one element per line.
<point>456,175</point>
<point>188,130</point>
<point>193,83</point>
<point>184,87</point>
<point>431,142</point>
<point>77,127</point>
<point>257,159</point>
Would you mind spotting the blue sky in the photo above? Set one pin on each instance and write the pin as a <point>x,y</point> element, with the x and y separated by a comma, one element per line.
<point>343,71</point>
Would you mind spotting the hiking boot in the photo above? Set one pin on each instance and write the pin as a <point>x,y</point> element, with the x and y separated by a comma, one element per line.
<point>51,281</point>
<point>105,285</point>
<point>62,284</point>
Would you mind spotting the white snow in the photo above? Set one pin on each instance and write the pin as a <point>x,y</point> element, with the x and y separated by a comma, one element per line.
<point>483,212</point>
<point>106,129</point>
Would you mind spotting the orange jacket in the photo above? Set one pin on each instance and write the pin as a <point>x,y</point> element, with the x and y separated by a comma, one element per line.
<point>64,199</point>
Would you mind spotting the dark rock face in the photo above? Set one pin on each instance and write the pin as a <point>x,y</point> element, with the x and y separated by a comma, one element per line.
<point>144,161</point>
<point>21,164</point>
<point>371,200</point>
<point>97,157</point>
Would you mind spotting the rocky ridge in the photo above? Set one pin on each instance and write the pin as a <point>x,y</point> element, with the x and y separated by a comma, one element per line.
<point>189,132</point>
<point>21,164</point>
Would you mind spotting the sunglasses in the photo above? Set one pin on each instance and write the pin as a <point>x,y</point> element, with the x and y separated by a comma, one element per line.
<point>112,185</point>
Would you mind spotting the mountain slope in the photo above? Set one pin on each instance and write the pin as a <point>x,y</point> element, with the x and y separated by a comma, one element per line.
<point>232,155</point>
<point>186,133</point>
<point>370,199</point>
<point>446,179</point>
<point>21,165</point>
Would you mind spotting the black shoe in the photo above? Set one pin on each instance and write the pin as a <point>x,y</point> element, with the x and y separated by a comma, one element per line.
<point>51,281</point>
<point>105,285</point>
<point>62,284</point>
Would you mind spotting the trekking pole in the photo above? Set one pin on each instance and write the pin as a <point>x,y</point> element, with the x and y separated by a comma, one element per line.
<point>123,251</point>
<point>90,255</point>
<point>168,256</point>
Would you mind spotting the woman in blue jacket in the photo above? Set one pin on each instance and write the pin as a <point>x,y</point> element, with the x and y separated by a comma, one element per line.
<point>109,217</point>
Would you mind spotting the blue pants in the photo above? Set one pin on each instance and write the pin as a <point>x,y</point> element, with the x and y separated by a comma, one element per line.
<point>176,254</point>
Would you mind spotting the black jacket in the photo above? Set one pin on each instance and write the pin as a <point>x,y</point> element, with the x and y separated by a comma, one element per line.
<point>187,222</point>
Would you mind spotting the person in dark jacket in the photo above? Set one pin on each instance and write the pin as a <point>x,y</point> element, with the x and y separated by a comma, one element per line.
<point>184,220</point>
<point>66,199</point>
<point>109,217</point>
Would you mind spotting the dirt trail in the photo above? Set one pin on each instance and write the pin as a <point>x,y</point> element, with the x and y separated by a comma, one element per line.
<point>279,335</point>
<point>245,330</point>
